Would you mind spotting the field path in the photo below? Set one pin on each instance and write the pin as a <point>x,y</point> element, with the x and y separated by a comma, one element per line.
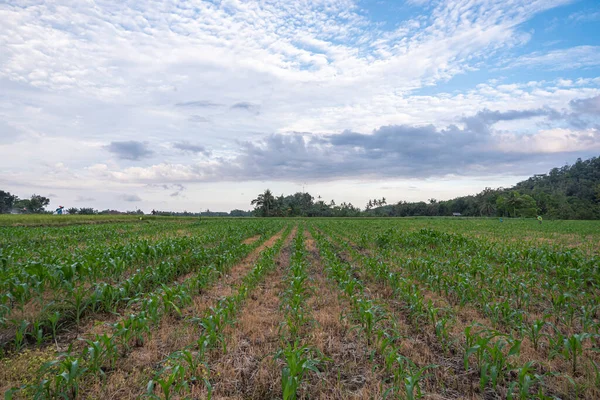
<point>248,370</point>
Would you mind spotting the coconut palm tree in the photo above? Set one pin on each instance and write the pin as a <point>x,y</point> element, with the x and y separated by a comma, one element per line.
<point>264,202</point>
<point>487,208</point>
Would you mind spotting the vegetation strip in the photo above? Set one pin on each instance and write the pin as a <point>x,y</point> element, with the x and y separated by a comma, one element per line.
<point>348,373</point>
<point>298,356</point>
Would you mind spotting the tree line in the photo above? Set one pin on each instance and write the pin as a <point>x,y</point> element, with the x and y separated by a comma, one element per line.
<point>570,192</point>
<point>10,203</point>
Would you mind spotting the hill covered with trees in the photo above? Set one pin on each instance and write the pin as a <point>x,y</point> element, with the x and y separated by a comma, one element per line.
<point>570,192</point>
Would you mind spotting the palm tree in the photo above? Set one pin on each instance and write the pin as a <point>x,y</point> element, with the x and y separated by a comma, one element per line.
<point>264,202</point>
<point>513,201</point>
<point>486,208</point>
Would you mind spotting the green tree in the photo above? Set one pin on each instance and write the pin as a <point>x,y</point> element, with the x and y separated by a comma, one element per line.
<point>512,203</point>
<point>7,202</point>
<point>264,203</point>
<point>527,206</point>
<point>501,206</point>
<point>517,205</point>
<point>36,204</point>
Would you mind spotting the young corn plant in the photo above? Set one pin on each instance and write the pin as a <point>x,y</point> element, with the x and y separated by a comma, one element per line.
<point>526,381</point>
<point>573,348</point>
<point>171,382</point>
<point>412,380</point>
<point>38,332</point>
<point>299,360</point>
<point>369,315</point>
<point>535,332</point>
<point>21,334</point>
<point>98,352</point>
<point>65,378</point>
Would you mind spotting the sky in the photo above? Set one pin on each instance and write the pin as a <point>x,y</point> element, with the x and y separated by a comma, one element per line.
<point>194,105</point>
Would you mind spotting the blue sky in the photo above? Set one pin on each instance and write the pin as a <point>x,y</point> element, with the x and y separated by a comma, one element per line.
<point>188,105</point>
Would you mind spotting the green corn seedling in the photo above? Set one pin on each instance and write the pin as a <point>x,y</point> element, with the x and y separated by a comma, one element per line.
<point>298,361</point>
<point>573,348</point>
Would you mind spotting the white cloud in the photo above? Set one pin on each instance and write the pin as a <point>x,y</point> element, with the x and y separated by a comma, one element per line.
<point>570,58</point>
<point>585,16</point>
<point>555,140</point>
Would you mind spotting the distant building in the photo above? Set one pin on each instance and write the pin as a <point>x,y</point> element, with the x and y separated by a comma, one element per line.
<point>456,214</point>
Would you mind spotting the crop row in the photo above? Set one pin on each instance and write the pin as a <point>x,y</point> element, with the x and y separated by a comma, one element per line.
<point>189,367</point>
<point>376,324</point>
<point>298,357</point>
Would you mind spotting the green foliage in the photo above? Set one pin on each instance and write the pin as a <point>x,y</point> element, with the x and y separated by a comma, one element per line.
<point>36,204</point>
<point>7,202</point>
<point>299,360</point>
<point>300,205</point>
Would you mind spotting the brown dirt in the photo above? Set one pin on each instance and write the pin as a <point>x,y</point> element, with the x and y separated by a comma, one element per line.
<point>251,240</point>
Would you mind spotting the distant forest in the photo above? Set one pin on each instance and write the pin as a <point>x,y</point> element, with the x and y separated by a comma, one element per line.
<point>570,192</point>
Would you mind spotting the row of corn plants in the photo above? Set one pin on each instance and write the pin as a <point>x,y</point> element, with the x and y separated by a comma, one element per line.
<point>376,324</point>
<point>494,354</point>
<point>298,357</point>
<point>493,349</point>
<point>190,367</point>
<point>502,295</point>
<point>567,329</point>
<point>61,274</point>
<point>506,283</point>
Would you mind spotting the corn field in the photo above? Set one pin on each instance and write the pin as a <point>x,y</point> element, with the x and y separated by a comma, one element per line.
<point>301,309</point>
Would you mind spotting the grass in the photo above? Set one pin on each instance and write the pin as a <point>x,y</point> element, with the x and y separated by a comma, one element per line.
<point>60,220</point>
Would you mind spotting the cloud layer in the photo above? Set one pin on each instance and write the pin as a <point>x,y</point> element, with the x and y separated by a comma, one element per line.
<point>396,151</point>
<point>143,97</point>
